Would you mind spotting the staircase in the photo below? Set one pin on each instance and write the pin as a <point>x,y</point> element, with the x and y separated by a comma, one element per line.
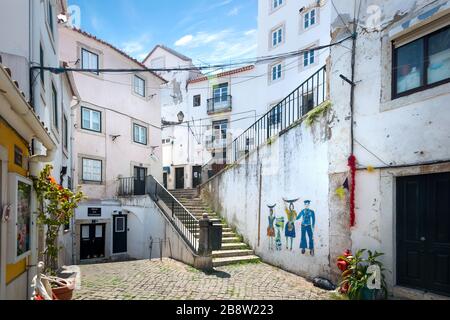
<point>233,250</point>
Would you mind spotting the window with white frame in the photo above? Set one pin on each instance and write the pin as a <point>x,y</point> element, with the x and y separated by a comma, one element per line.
<point>139,86</point>
<point>309,58</point>
<point>91,119</point>
<point>139,134</point>
<point>309,18</point>
<point>277,37</point>
<point>92,170</point>
<point>89,60</point>
<point>276,72</point>
<point>276,4</point>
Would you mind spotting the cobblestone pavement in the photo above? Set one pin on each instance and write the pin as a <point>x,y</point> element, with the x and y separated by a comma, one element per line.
<point>172,280</point>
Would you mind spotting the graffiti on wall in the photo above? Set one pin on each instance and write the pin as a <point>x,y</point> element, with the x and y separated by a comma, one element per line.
<point>278,224</point>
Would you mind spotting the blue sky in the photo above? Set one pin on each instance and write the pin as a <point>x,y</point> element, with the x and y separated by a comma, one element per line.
<point>208,31</point>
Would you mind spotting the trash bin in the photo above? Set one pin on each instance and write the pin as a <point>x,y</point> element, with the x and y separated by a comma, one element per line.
<point>215,237</point>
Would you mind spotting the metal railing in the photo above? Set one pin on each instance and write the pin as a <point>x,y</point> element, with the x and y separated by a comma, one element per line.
<point>186,224</point>
<point>220,104</point>
<point>297,104</point>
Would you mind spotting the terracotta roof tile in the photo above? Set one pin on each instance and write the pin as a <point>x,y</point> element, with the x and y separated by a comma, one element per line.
<point>222,74</point>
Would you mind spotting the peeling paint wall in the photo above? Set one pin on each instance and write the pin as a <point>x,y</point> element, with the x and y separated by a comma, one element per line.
<point>408,131</point>
<point>294,166</point>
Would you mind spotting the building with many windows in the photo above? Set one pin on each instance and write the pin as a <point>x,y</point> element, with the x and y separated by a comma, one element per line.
<point>29,39</point>
<point>286,26</point>
<point>117,127</point>
<point>201,114</point>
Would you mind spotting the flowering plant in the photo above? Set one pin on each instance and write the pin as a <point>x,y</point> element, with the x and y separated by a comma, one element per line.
<point>56,207</point>
<point>357,274</point>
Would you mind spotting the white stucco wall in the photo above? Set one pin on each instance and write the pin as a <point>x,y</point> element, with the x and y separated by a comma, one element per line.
<point>294,38</point>
<point>294,166</point>
<point>113,96</point>
<point>398,136</point>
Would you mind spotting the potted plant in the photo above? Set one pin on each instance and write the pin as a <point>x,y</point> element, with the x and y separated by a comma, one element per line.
<point>56,207</point>
<point>358,273</point>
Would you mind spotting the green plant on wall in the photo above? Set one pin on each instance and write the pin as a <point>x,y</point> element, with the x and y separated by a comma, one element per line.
<point>56,207</point>
<point>312,116</point>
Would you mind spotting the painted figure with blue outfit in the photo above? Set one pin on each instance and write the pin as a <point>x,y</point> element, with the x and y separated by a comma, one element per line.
<point>271,228</point>
<point>279,225</point>
<point>308,227</point>
<point>290,225</point>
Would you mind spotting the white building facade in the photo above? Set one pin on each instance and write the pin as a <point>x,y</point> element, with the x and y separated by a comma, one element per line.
<point>286,26</point>
<point>118,135</point>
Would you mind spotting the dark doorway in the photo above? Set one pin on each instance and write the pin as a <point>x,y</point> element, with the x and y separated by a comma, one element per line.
<point>139,181</point>
<point>165,179</point>
<point>92,241</point>
<point>120,234</point>
<point>179,178</point>
<point>423,232</point>
<point>196,176</point>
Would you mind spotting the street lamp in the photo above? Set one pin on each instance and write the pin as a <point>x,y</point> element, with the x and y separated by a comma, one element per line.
<point>180,116</point>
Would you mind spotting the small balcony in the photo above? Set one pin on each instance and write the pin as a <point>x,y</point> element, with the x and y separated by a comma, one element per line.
<point>219,104</point>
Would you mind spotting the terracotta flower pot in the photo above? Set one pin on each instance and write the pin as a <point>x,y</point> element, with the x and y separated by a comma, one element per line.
<point>64,292</point>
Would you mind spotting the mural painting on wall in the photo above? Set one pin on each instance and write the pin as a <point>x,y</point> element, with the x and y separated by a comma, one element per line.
<point>290,225</point>
<point>279,224</point>
<point>276,225</point>
<point>271,228</point>
<point>308,219</point>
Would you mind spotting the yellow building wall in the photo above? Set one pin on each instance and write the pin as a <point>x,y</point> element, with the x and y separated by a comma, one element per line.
<point>9,138</point>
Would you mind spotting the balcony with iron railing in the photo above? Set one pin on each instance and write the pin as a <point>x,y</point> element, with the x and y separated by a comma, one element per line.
<point>220,104</point>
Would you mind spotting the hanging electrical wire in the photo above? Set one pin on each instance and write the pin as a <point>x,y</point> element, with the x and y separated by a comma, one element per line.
<point>257,60</point>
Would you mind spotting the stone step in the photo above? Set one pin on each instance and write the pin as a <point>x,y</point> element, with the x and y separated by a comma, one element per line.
<point>233,246</point>
<point>219,262</point>
<point>225,235</point>
<point>232,253</point>
<point>231,240</point>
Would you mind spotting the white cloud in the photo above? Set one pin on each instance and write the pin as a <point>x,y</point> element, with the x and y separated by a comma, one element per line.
<point>222,46</point>
<point>201,38</point>
<point>184,41</point>
<point>250,32</point>
<point>137,47</point>
<point>234,12</point>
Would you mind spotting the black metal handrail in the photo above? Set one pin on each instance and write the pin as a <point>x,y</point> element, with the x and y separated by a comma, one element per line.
<point>184,222</point>
<point>309,95</point>
<point>219,104</point>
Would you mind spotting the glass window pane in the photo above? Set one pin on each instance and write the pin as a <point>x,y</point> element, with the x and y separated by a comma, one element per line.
<point>86,119</point>
<point>95,120</point>
<point>409,63</point>
<point>439,48</point>
<point>85,59</point>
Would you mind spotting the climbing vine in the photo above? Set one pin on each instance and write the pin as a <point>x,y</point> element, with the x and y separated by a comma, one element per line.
<point>316,112</point>
<point>56,207</point>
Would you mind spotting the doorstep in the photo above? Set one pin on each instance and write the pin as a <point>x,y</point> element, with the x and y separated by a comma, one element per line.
<point>404,293</point>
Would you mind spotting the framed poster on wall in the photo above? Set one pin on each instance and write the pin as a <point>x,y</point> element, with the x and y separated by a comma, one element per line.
<point>19,226</point>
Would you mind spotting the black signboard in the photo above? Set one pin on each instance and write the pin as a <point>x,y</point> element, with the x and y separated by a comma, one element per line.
<point>94,212</point>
